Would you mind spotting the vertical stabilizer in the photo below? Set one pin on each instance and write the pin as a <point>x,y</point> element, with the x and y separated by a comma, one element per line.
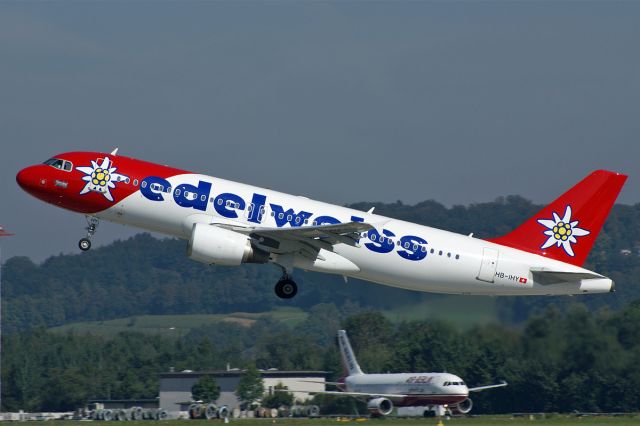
<point>566,229</point>
<point>348,358</point>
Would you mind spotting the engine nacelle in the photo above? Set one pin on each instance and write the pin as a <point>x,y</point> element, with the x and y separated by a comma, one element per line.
<point>380,406</point>
<point>213,245</point>
<point>463,407</point>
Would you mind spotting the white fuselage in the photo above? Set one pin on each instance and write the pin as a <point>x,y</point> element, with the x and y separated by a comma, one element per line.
<point>419,388</point>
<point>409,255</point>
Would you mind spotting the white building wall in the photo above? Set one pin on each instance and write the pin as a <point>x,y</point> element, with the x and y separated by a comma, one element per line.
<point>176,388</point>
<point>299,386</point>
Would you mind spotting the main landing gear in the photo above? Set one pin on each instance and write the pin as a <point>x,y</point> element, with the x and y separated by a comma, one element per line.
<point>92,224</point>
<point>286,288</point>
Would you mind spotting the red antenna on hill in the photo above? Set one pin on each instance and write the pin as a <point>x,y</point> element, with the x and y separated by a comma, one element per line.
<point>3,233</point>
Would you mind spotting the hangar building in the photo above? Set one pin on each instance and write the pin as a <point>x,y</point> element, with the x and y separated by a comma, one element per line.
<point>175,387</point>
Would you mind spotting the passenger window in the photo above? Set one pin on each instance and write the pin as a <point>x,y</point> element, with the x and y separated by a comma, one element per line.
<point>178,192</point>
<point>203,198</point>
<point>281,215</point>
<point>457,256</point>
<point>432,251</point>
<point>440,253</point>
<point>144,184</point>
<point>406,245</point>
<point>135,182</point>
<point>289,217</point>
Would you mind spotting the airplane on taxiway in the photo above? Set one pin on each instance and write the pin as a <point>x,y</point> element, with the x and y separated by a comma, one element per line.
<point>229,223</point>
<point>435,392</point>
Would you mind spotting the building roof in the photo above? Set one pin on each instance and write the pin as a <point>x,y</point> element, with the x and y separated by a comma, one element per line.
<point>238,372</point>
<point>106,400</point>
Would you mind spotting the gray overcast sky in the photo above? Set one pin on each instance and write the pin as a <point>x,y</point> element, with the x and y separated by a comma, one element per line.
<point>347,101</point>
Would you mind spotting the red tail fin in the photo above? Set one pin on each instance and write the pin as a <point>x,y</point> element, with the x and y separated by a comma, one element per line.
<point>567,228</point>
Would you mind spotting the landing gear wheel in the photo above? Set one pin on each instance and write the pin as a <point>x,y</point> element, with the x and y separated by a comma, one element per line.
<point>286,288</point>
<point>84,244</point>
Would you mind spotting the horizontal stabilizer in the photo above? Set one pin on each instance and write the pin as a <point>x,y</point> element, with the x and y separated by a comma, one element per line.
<point>546,276</point>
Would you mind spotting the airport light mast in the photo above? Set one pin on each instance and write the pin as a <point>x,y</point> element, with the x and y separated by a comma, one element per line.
<point>3,233</point>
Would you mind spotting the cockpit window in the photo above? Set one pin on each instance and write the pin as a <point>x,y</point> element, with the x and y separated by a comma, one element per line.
<point>55,162</point>
<point>60,164</point>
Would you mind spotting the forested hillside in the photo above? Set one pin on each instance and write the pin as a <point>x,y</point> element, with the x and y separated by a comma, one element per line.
<point>558,361</point>
<point>144,275</point>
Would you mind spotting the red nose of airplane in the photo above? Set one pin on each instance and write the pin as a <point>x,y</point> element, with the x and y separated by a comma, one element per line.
<point>27,178</point>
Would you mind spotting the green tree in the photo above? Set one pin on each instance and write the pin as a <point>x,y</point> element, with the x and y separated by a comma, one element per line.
<point>206,389</point>
<point>251,386</point>
<point>278,398</point>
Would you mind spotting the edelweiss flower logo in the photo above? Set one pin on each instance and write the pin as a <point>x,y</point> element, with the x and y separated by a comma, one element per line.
<point>562,232</point>
<point>101,178</point>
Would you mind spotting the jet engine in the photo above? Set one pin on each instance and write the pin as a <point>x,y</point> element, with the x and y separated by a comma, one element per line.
<point>380,406</point>
<point>213,245</point>
<point>463,407</point>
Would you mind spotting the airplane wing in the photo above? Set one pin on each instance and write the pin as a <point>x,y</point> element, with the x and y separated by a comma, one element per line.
<point>391,396</point>
<point>546,276</point>
<point>313,237</point>
<point>481,388</point>
<point>322,383</point>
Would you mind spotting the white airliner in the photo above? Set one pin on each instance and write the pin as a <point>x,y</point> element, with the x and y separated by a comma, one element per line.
<point>229,223</point>
<point>436,392</point>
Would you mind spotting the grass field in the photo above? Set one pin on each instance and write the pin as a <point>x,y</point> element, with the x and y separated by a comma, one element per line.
<point>462,311</point>
<point>178,325</point>
<point>555,420</point>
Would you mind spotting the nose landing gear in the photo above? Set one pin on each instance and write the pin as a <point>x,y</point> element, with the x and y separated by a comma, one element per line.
<point>92,224</point>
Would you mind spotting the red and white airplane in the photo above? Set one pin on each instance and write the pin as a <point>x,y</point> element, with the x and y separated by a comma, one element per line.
<point>229,223</point>
<point>434,392</point>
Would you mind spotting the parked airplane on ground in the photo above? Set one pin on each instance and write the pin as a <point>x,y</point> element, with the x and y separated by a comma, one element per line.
<point>436,392</point>
<point>229,223</point>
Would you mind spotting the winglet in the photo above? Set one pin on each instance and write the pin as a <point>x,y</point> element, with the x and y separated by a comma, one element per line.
<point>115,151</point>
